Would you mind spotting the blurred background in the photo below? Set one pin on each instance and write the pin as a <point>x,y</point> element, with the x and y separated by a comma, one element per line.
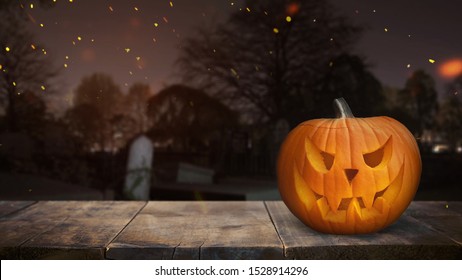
<point>215,86</point>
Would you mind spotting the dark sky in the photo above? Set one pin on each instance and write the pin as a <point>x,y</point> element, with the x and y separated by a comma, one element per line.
<point>418,30</point>
<point>120,37</point>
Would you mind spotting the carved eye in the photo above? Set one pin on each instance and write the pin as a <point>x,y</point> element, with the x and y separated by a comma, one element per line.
<point>380,157</point>
<point>320,160</point>
<point>328,160</point>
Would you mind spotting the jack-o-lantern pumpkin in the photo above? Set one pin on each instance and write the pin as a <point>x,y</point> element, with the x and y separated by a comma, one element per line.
<point>348,175</point>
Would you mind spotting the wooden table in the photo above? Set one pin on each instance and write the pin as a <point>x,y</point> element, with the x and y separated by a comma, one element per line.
<point>213,230</point>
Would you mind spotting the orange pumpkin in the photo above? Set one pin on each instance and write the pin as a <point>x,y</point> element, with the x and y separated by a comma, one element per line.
<point>349,175</point>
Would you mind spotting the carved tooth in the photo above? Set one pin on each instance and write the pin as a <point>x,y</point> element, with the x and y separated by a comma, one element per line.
<point>368,200</point>
<point>382,205</point>
<point>334,202</point>
<point>354,210</point>
<point>339,217</point>
<point>323,207</point>
<point>369,213</point>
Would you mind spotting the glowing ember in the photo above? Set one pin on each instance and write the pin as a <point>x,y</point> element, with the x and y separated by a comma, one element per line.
<point>275,30</point>
<point>451,68</point>
<point>431,60</point>
<point>292,9</point>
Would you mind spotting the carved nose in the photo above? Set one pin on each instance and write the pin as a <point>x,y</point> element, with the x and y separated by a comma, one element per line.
<point>350,174</point>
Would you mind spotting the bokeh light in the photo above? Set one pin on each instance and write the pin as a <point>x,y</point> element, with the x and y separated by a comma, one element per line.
<point>451,68</point>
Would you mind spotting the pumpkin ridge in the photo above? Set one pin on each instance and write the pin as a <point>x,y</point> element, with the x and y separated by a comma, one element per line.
<point>298,139</point>
<point>310,122</point>
<point>363,133</point>
<point>334,177</point>
<point>315,134</point>
<point>377,138</point>
<point>332,123</point>
<point>367,130</point>
<point>388,122</point>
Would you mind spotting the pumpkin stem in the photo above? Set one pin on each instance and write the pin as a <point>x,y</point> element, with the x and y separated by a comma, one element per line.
<point>342,109</point>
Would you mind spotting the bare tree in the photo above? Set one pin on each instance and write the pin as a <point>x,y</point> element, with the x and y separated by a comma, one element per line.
<point>419,98</point>
<point>101,91</point>
<point>269,60</point>
<point>99,97</point>
<point>136,105</point>
<point>24,64</point>
<point>450,114</point>
<point>84,123</point>
<point>349,77</point>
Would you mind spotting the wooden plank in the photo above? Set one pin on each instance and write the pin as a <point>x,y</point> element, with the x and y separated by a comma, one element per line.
<point>434,208</point>
<point>65,229</point>
<point>9,207</point>
<point>199,230</point>
<point>445,217</point>
<point>19,227</point>
<point>15,233</point>
<point>406,239</point>
<point>451,226</point>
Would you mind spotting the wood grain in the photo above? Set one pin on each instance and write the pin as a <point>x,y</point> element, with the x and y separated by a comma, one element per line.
<point>442,216</point>
<point>406,239</point>
<point>213,230</point>
<point>434,208</point>
<point>198,230</point>
<point>65,229</point>
<point>8,207</point>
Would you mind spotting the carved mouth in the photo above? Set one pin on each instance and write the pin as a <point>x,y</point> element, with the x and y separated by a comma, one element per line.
<point>350,204</point>
<point>346,201</point>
